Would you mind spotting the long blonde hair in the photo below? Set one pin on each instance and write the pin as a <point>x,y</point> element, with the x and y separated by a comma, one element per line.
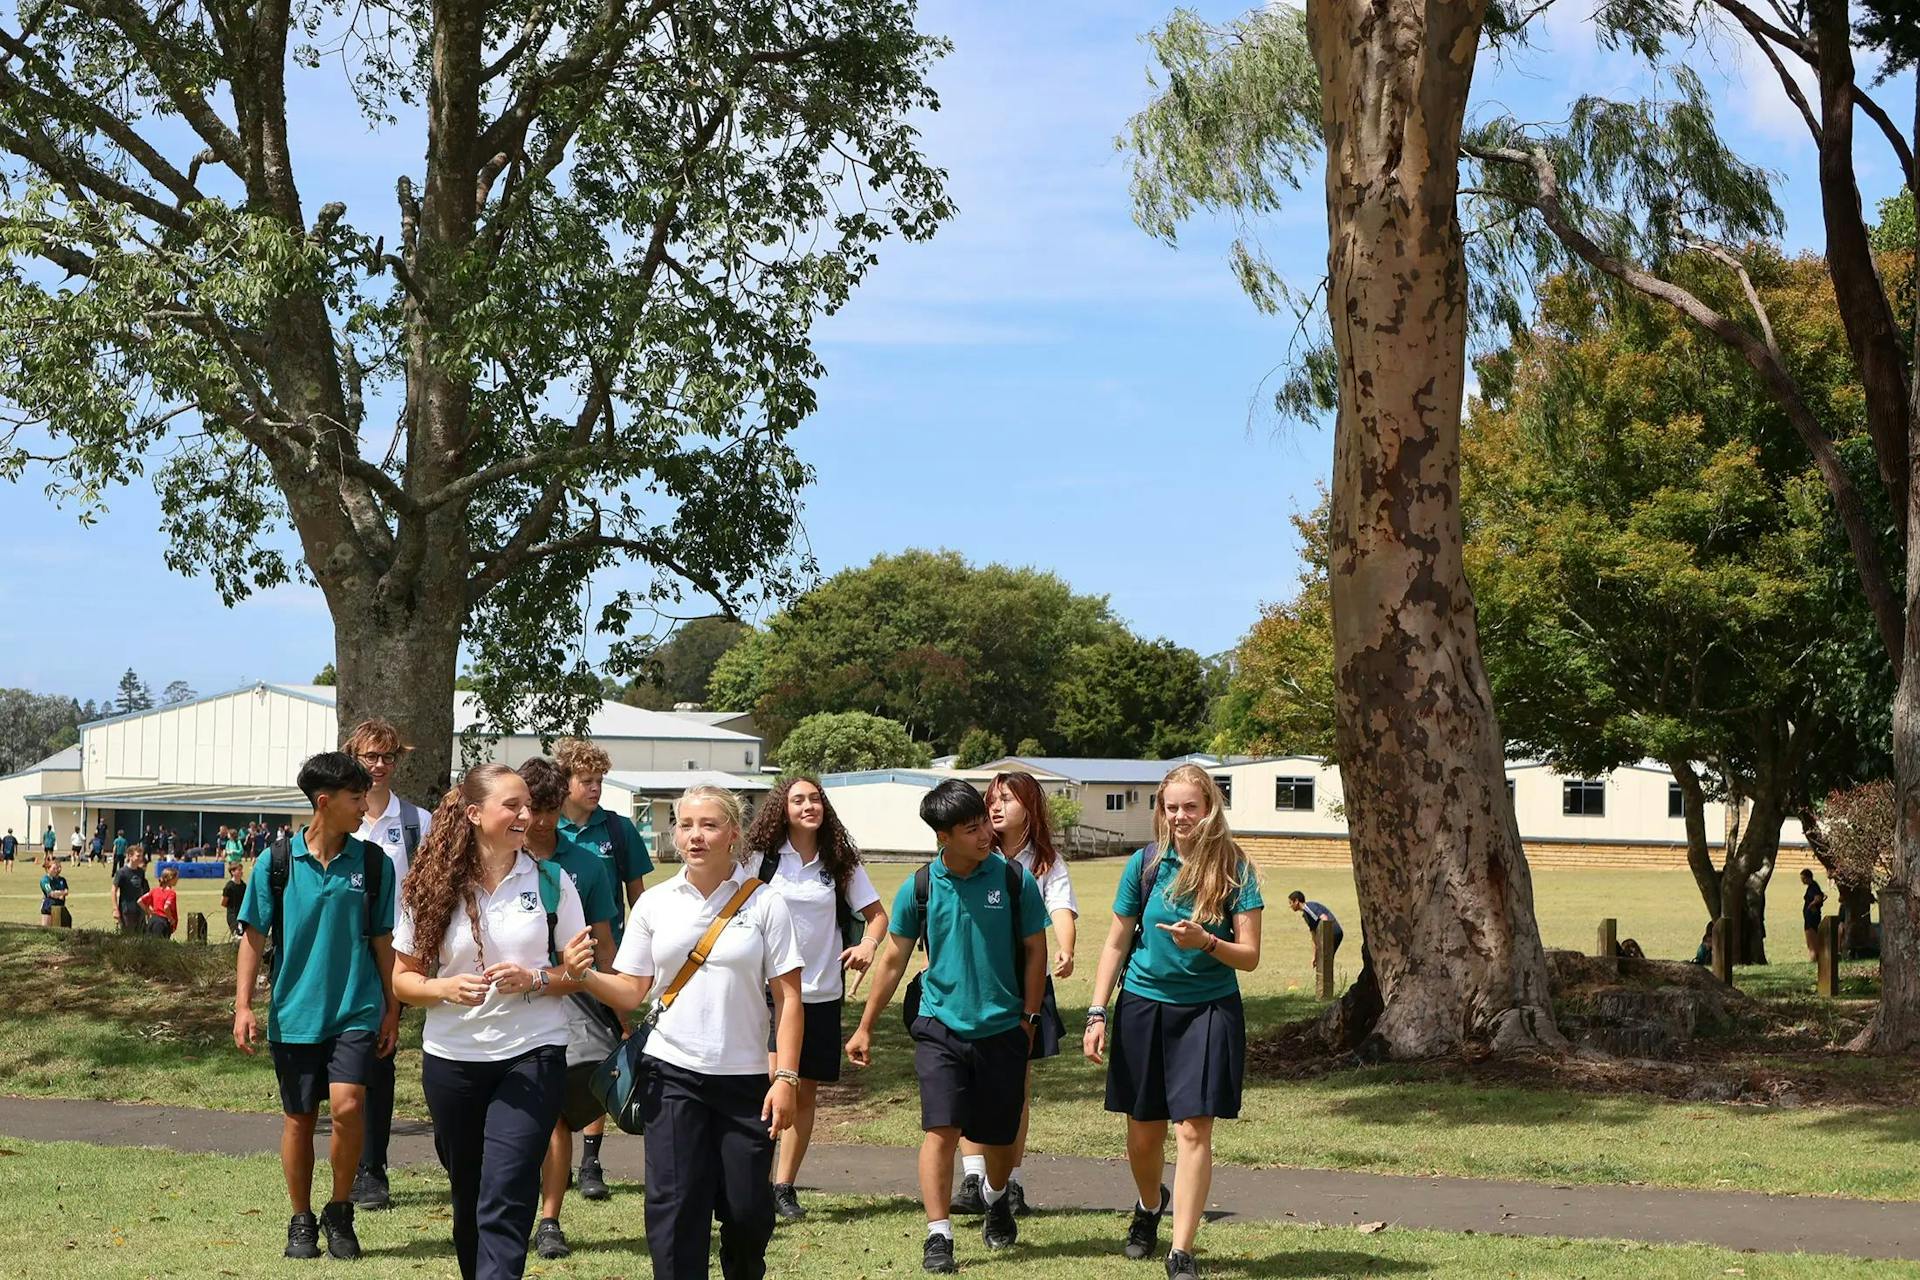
<point>730,808</point>
<point>1213,870</point>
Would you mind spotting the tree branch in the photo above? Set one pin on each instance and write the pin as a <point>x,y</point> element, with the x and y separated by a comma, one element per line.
<point>1725,256</point>
<point>132,22</point>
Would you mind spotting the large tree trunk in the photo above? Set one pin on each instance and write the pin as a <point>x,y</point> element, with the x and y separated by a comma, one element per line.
<point>401,667</point>
<point>1749,867</point>
<point>1444,890</point>
<point>1706,876</point>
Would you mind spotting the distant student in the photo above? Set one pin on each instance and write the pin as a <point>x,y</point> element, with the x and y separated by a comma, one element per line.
<point>592,1029</point>
<point>613,839</point>
<point>95,849</point>
<point>1178,1036</point>
<point>47,842</point>
<point>9,846</point>
<point>129,886</point>
<point>53,892</point>
<point>330,921</point>
<point>1017,808</point>
<point>232,893</point>
<point>395,826</point>
<point>161,904</point>
<point>1313,914</point>
<point>476,948</point>
<point>798,848</point>
<point>710,1111</point>
<point>119,850</point>
<point>77,845</point>
<point>984,925</point>
<point>1811,906</point>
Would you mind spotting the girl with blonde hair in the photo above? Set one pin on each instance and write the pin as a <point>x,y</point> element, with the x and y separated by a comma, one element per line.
<point>1186,922</point>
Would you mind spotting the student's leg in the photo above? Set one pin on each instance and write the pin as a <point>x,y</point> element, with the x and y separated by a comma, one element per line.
<point>457,1098</point>
<point>1026,1113</point>
<point>745,1203</point>
<point>555,1170</point>
<point>1192,1178</point>
<point>520,1116</point>
<point>1147,1158</point>
<point>682,1171</point>
<point>1813,944</point>
<point>936,1170</point>
<point>794,1142</point>
<point>347,1116</point>
<point>296,1158</point>
<point>379,1127</point>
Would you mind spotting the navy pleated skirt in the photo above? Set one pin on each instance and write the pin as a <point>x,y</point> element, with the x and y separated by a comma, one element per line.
<point>1176,1061</point>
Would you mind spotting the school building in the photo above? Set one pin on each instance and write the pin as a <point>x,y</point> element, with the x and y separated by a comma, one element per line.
<point>230,758</point>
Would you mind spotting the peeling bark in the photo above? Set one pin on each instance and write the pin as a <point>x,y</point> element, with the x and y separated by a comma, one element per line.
<point>1443,883</point>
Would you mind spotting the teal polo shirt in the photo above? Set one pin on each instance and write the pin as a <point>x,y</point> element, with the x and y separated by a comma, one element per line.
<point>596,837</point>
<point>326,981</point>
<point>1160,969</point>
<point>970,983</point>
<point>119,848</point>
<point>589,876</point>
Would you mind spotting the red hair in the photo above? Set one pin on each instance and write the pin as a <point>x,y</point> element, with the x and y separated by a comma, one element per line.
<point>1021,786</point>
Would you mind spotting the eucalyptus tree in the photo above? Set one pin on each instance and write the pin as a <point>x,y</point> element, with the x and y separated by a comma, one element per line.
<point>578,336</point>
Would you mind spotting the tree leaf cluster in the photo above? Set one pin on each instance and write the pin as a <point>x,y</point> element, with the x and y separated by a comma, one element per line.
<point>845,741</point>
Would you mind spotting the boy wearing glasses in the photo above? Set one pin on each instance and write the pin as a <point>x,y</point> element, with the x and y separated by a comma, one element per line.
<point>397,826</point>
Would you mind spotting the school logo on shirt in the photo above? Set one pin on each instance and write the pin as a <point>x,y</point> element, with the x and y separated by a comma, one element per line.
<point>529,901</point>
<point>393,834</point>
<point>357,882</point>
<point>606,848</point>
<point>993,897</point>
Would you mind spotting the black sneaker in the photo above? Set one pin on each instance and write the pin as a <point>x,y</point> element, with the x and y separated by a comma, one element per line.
<point>592,1184</point>
<point>1018,1194</point>
<point>786,1204</point>
<point>1181,1266</point>
<point>971,1201</point>
<point>303,1236</point>
<point>370,1190</point>
<point>936,1255</point>
<point>1143,1232</point>
<point>1000,1230</point>
<point>549,1241</point>
<point>337,1221</point>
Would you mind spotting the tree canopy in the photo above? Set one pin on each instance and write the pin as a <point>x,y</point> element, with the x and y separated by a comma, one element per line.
<point>836,742</point>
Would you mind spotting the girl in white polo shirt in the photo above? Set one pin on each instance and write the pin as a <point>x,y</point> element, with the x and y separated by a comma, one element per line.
<point>471,945</point>
<point>710,1113</point>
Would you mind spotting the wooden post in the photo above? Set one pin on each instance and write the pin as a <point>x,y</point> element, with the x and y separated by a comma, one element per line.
<point>1827,974</point>
<point>1607,944</point>
<point>1323,960</point>
<point>197,927</point>
<point>1723,950</point>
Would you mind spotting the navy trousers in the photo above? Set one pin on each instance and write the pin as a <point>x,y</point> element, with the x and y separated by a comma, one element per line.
<point>379,1112</point>
<point>491,1121</point>
<point>708,1157</point>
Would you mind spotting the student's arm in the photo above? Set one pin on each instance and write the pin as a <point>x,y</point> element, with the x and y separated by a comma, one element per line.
<point>1243,953</point>
<point>411,985</point>
<point>1034,985</point>
<point>390,1008</point>
<point>859,957</point>
<point>622,992</point>
<point>789,1025</point>
<point>1113,953</point>
<point>1065,932</point>
<point>246,1028</point>
<point>887,972</point>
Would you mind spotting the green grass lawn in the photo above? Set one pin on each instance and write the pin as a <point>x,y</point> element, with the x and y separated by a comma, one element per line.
<point>122,1214</point>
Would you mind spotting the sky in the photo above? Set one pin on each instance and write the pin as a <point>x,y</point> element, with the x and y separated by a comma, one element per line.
<point>1041,384</point>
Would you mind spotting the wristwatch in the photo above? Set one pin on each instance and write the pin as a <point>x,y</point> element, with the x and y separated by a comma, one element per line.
<point>1032,1020</point>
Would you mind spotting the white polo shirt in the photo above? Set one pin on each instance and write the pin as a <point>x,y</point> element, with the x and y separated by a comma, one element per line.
<point>388,830</point>
<point>809,892</point>
<point>718,1023</point>
<point>514,928</point>
<point>1056,888</point>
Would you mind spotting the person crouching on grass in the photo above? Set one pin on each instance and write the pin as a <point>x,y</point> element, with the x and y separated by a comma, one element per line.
<point>711,1115</point>
<point>332,998</point>
<point>1178,1040</point>
<point>978,1012</point>
<point>473,948</point>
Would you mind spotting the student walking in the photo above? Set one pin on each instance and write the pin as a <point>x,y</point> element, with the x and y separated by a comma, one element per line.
<point>592,1029</point>
<point>47,842</point>
<point>1186,922</point>
<point>711,1114</point>
<point>807,857</point>
<point>232,893</point>
<point>1022,831</point>
<point>612,838</point>
<point>119,850</point>
<point>475,947</point>
<point>129,886</point>
<point>973,1013</point>
<point>9,846</point>
<point>329,916</point>
<point>1314,915</point>
<point>1811,906</point>
<point>53,893</point>
<point>395,826</point>
<point>161,905</point>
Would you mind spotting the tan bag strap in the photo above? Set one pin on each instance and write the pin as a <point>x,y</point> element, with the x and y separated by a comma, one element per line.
<point>698,956</point>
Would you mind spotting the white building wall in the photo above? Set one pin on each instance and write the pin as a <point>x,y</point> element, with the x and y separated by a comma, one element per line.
<point>650,754</point>
<point>1255,787</point>
<point>29,819</point>
<point>883,817</point>
<point>256,737</point>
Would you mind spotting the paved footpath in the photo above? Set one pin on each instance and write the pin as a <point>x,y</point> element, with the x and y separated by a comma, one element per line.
<point>1734,1220</point>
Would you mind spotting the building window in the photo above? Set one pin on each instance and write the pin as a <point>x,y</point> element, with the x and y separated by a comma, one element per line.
<point>1676,801</point>
<point>749,759</point>
<point>1226,788</point>
<point>1116,801</point>
<point>1583,798</point>
<point>1293,793</point>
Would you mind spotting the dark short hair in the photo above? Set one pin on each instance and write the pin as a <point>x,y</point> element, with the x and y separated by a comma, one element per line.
<point>1296,896</point>
<point>546,783</point>
<point>950,804</point>
<point>331,771</point>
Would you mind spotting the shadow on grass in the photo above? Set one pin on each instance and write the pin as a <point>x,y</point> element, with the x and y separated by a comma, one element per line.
<point>1327,1263</point>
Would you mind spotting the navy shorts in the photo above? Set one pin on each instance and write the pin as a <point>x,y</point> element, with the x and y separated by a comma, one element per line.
<point>1046,1037</point>
<point>976,1086</point>
<point>819,1040</point>
<point>1176,1061</point>
<point>305,1070</point>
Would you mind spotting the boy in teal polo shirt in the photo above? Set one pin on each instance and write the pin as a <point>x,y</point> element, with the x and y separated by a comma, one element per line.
<point>333,1006</point>
<point>609,836</point>
<point>978,1007</point>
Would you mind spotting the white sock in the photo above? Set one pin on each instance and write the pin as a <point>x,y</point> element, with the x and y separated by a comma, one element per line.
<point>1015,1175</point>
<point>944,1227</point>
<point>988,1191</point>
<point>974,1166</point>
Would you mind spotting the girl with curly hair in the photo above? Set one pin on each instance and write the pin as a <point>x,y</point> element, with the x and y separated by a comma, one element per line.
<point>803,854</point>
<point>472,946</point>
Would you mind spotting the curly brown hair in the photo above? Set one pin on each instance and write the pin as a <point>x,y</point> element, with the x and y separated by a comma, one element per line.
<point>546,783</point>
<point>769,829</point>
<point>447,866</point>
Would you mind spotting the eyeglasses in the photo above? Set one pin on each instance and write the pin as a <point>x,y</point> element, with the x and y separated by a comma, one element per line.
<point>379,757</point>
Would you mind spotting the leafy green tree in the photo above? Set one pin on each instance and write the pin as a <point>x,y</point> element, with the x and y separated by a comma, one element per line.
<point>831,742</point>
<point>581,335</point>
<point>977,747</point>
<point>680,669</point>
<point>1279,698</point>
<point>1063,811</point>
<point>325,676</point>
<point>1029,748</point>
<point>1123,696</point>
<point>33,726</point>
<point>738,681</point>
<point>133,694</point>
<point>176,691</point>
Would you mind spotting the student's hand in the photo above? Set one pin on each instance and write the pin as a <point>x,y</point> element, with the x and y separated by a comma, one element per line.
<point>469,989</point>
<point>389,1030</point>
<point>509,979</point>
<point>1063,963</point>
<point>246,1030</point>
<point>859,958</point>
<point>860,1048</point>
<point>778,1109</point>
<point>1187,935</point>
<point>577,955</point>
<point>1094,1043</point>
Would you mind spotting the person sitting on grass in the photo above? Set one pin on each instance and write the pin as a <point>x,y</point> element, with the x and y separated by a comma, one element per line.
<point>161,905</point>
<point>331,921</point>
<point>978,1008</point>
<point>232,894</point>
<point>53,892</point>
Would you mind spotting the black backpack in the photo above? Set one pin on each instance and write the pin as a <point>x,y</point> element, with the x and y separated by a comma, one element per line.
<point>852,926</point>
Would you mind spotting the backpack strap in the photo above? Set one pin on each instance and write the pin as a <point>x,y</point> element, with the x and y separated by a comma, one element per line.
<point>769,863</point>
<point>550,873</point>
<point>622,853</point>
<point>279,868</point>
<point>1016,880</point>
<point>411,816</point>
<point>922,889</point>
<point>374,859</point>
<point>698,956</point>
